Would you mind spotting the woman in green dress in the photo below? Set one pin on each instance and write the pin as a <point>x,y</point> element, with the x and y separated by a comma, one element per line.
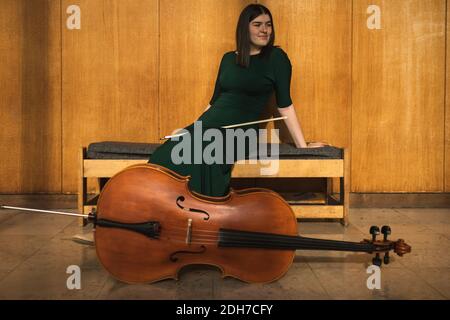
<point>246,79</point>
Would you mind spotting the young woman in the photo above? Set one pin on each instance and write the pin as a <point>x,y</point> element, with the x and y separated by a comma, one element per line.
<point>246,79</point>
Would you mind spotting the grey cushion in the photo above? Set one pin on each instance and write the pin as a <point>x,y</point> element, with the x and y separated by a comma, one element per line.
<point>290,151</point>
<point>134,150</point>
<point>120,150</point>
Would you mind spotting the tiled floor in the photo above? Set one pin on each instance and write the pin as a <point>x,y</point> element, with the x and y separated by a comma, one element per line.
<point>36,249</point>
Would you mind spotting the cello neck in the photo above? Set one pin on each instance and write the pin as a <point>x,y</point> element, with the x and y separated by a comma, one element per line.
<point>246,239</point>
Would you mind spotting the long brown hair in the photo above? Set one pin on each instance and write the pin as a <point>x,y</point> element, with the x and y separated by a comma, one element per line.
<point>250,13</point>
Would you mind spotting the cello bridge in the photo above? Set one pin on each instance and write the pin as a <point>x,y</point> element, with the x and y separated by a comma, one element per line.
<point>189,232</point>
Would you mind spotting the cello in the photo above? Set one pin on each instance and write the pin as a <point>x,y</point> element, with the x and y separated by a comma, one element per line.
<point>148,225</point>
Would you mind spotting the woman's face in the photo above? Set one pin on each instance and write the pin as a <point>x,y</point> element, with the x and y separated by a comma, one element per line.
<point>260,30</point>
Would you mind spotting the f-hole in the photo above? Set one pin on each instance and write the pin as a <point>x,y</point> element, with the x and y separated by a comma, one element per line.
<point>175,259</point>
<point>181,199</point>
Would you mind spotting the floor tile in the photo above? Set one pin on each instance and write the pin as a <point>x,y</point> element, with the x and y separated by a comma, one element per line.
<point>36,249</point>
<point>394,284</point>
<point>34,224</point>
<point>194,282</point>
<point>438,278</point>
<point>30,282</point>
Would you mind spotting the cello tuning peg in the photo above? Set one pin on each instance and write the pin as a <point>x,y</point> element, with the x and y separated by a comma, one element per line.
<point>386,258</point>
<point>374,231</point>
<point>377,260</point>
<point>386,230</point>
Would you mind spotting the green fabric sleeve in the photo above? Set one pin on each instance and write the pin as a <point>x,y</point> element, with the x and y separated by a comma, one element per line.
<point>283,73</point>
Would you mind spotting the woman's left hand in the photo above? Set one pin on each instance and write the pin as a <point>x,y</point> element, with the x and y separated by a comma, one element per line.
<point>317,144</point>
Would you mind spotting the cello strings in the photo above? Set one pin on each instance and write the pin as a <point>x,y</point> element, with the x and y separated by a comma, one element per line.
<point>314,242</point>
<point>177,233</point>
<point>285,245</point>
<point>262,241</point>
<point>213,237</point>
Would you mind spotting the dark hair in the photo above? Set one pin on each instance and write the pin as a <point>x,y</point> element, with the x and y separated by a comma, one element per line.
<point>250,13</point>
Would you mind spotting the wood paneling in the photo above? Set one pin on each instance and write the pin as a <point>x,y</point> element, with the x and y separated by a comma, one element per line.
<point>398,97</point>
<point>137,70</point>
<point>447,109</point>
<point>30,87</point>
<point>194,37</point>
<point>316,35</point>
<point>110,77</point>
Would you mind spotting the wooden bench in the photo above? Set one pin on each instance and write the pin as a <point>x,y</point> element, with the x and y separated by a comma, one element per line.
<point>104,159</point>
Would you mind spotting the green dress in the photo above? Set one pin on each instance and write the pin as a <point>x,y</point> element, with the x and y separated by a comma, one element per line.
<point>240,95</point>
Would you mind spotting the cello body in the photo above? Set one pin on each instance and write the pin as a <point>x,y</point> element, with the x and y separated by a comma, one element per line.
<point>187,228</point>
<point>149,225</point>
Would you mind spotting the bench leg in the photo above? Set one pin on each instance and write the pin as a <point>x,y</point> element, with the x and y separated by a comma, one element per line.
<point>82,187</point>
<point>346,185</point>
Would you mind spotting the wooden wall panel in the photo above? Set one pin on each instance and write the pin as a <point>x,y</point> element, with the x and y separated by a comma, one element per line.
<point>194,37</point>
<point>321,80</point>
<point>110,77</point>
<point>316,35</point>
<point>136,71</point>
<point>447,109</point>
<point>398,97</point>
<point>30,87</point>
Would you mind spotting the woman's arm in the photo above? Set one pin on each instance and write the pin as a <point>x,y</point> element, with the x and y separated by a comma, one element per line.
<point>294,128</point>
<point>293,125</point>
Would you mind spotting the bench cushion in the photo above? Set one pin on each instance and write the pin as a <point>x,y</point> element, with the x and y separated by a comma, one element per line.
<point>135,150</point>
<point>120,150</point>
